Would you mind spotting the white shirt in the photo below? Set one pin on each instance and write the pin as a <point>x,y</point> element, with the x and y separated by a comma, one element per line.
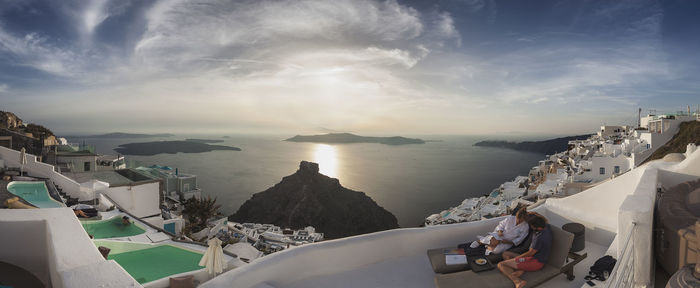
<point>516,233</point>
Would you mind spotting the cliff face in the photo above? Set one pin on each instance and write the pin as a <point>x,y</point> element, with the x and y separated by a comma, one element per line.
<point>308,198</point>
<point>689,132</point>
<point>9,120</point>
<point>550,146</point>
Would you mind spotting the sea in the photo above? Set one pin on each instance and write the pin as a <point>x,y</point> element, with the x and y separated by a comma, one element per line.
<point>411,181</point>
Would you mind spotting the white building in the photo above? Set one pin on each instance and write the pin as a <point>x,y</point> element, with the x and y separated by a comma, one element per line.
<point>602,166</point>
<point>133,192</point>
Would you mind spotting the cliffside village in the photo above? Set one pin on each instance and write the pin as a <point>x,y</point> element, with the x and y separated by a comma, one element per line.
<point>153,196</point>
<point>612,151</point>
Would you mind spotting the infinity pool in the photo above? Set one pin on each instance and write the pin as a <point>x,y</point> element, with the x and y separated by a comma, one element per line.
<point>111,228</point>
<point>34,192</point>
<point>149,262</point>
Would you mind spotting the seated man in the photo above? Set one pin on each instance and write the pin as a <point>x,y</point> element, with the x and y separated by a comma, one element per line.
<point>125,220</point>
<point>532,260</point>
<point>511,231</point>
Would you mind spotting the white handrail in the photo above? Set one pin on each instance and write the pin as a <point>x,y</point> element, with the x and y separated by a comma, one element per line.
<point>622,274</point>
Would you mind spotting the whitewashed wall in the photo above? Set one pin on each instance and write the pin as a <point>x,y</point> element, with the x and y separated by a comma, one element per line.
<point>140,200</point>
<point>25,245</point>
<point>350,253</point>
<point>53,242</point>
<point>608,163</point>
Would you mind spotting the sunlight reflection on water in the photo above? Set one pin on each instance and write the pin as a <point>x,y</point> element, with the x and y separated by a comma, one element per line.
<point>327,159</point>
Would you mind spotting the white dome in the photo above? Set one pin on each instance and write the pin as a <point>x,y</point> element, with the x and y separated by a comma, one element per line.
<point>674,157</point>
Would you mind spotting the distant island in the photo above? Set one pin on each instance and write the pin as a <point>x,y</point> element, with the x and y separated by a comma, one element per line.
<point>204,140</point>
<point>550,146</point>
<point>169,147</point>
<point>352,138</point>
<point>309,198</point>
<point>117,135</point>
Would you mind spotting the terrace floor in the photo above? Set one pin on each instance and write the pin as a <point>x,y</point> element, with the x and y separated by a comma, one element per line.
<point>415,271</point>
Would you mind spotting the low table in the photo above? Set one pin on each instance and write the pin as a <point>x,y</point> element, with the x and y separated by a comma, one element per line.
<point>437,261</point>
<point>479,268</point>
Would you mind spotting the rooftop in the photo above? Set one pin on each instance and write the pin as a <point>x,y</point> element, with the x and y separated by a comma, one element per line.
<point>113,177</point>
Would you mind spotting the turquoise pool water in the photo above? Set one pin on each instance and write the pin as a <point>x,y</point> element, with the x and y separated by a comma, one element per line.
<point>34,192</point>
<point>146,262</point>
<point>111,228</point>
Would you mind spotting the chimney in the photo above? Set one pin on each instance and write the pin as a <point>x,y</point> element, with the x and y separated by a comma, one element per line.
<point>639,118</point>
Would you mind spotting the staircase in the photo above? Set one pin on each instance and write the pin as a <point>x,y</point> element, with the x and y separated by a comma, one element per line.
<point>69,201</point>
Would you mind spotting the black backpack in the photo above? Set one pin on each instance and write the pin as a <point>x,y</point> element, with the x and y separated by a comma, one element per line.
<point>602,268</point>
<point>471,252</point>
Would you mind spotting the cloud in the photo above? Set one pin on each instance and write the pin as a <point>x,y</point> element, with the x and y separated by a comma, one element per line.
<point>93,15</point>
<point>445,28</point>
<point>180,32</point>
<point>474,5</point>
<point>33,50</point>
<point>4,88</point>
<point>348,65</point>
<point>273,58</point>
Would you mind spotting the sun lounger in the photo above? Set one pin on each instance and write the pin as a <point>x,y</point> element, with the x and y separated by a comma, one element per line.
<point>556,265</point>
<point>437,257</point>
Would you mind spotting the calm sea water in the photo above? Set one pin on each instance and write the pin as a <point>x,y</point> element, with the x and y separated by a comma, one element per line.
<point>411,181</point>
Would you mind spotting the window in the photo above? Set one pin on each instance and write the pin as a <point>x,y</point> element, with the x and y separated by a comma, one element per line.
<point>617,169</point>
<point>87,166</point>
<point>648,146</point>
<point>602,170</point>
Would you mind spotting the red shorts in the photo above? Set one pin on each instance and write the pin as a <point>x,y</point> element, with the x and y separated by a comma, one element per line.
<point>528,264</point>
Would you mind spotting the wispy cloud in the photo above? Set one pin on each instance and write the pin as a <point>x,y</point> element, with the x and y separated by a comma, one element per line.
<point>33,50</point>
<point>349,65</point>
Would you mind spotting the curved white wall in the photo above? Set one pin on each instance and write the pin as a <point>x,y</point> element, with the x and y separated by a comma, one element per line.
<point>64,248</point>
<point>347,254</point>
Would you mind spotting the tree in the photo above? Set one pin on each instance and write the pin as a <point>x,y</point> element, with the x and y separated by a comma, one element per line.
<point>198,211</point>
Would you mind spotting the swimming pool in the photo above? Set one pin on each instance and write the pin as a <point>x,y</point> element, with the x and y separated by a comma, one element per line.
<point>34,192</point>
<point>149,262</point>
<point>111,228</point>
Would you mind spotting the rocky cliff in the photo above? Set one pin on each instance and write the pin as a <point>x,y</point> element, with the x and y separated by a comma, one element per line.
<point>550,146</point>
<point>308,198</point>
<point>9,120</point>
<point>689,132</point>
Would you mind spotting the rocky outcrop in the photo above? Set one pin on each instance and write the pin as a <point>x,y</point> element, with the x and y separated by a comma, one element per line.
<point>30,136</point>
<point>9,120</point>
<point>308,198</point>
<point>688,132</point>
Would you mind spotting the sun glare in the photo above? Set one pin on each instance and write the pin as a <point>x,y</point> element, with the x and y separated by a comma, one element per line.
<point>327,160</point>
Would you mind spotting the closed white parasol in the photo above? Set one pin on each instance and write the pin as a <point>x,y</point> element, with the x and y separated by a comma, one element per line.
<point>213,259</point>
<point>22,160</point>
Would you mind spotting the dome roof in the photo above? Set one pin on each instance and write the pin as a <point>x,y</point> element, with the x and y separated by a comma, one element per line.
<point>674,157</point>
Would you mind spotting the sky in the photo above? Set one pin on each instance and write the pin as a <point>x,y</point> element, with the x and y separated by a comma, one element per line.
<point>363,66</point>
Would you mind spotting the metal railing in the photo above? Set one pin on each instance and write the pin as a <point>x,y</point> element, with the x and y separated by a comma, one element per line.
<point>623,273</point>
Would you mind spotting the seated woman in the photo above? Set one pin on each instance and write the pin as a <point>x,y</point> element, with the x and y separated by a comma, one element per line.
<point>510,231</point>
